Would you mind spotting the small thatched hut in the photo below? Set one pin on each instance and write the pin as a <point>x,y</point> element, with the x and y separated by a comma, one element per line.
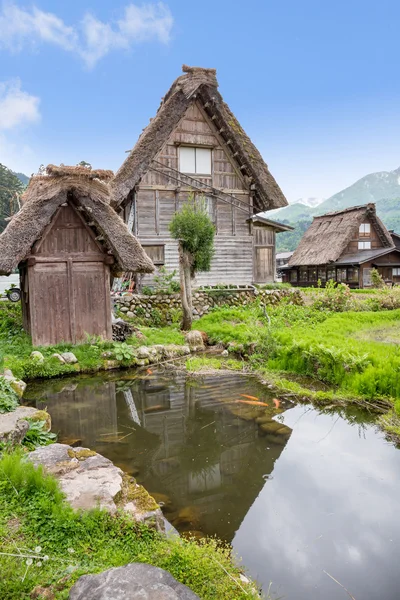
<point>345,246</point>
<point>66,241</point>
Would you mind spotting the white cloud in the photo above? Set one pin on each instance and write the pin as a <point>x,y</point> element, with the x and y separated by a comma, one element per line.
<point>16,106</point>
<point>91,39</point>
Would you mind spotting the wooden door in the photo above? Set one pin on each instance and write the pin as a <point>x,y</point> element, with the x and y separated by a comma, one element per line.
<point>49,303</point>
<point>91,299</point>
<point>263,265</point>
<point>367,281</point>
<point>263,254</point>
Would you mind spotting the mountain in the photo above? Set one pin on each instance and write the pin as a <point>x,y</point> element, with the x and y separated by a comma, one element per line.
<point>382,188</point>
<point>311,202</point>
<point>24,179</point>
<point>371,188</point>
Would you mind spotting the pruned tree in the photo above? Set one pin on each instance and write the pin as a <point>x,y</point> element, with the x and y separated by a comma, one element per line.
<point>194,231</point>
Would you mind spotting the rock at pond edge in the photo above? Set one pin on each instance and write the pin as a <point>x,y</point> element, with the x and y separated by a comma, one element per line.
<point>135,581</point>
<point>89,480</point>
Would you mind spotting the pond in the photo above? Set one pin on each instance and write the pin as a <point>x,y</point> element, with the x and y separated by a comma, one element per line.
<point>308,499</point>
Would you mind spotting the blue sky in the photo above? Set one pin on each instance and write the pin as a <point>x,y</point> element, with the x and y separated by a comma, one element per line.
<point>315,84</point>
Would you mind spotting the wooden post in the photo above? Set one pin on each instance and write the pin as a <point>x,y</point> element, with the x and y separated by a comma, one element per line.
<point>71,300</point>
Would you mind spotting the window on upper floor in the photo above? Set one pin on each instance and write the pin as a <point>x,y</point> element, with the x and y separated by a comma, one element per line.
<point>364,245</point>
<point>365,230</point>
<point>195,160</point>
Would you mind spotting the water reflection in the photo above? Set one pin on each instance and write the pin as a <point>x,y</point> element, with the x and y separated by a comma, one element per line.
<point>303,496</point>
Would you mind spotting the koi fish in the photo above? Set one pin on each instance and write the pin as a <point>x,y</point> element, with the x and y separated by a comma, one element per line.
<point>151,408</point>
<point>276,402</point>
<point>149,371</point>
<point>249,397</point>
<point>253,402</point>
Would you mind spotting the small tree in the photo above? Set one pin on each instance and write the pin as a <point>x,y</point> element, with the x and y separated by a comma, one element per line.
<point>194,230</point>
<point>377,279</point>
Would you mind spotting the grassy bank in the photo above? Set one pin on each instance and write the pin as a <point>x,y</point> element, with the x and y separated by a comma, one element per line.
<point>94,355</point>
<point>45,544</point>
<point>333,339</point>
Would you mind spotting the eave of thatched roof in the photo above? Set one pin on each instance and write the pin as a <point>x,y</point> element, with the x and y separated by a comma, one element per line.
<point>201,84</point>
<point>279,227</point>
<point>45,194</point>
<point>328,235</point>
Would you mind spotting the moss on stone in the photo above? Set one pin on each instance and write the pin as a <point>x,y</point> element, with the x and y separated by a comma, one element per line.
<point>42,415</point>
<point>81,454</point>
<point>133,492</point>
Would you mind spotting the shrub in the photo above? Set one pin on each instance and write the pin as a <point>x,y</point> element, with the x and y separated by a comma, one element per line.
<point>8,398</point>
<point>335,297</point>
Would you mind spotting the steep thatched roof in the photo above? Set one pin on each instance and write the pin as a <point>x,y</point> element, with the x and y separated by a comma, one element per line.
<point>92,196</point>
<point>201,84</point>
<point>328,235</point>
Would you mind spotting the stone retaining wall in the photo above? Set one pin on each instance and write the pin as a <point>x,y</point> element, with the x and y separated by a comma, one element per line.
<point>166,307</point>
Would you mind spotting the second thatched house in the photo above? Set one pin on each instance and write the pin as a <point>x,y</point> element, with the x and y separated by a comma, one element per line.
<point>345,246</point>
<point>195,145</point>
<point>66,241</point>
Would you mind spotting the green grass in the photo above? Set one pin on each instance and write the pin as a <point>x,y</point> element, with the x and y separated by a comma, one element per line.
<point>33,514</point>
<point>164,335</point>
<point>215,363</point>
<point>333,352</point>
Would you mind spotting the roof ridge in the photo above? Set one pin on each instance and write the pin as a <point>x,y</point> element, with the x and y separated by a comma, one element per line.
<point>369,205</point>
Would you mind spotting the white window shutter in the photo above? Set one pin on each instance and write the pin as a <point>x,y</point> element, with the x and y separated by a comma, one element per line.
<point>187,162</point>
<point>203,161</point>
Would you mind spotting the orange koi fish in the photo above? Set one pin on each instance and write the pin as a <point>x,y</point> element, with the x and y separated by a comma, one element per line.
<point>253,402</point>
<point>249,397</point>
<point>276,402</point>
<point>151,408</point>
<point>149,371</point>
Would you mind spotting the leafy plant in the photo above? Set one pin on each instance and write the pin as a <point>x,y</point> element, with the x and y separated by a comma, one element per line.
<point>37,435</point>
<point>377,279</point>
<point>8,398</point>
<point>122,351</point>
<point>147,291</point>
<point>335,297</point>
<point>165,282</point>
<point>156,317</point>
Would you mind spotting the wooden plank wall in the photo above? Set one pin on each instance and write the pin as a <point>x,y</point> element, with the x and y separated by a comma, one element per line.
<point>158,197</point>
<point>352,246</point>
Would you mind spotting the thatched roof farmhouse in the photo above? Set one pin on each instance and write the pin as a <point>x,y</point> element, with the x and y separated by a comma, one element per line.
<point>345,246</point>
<point>195,144</point>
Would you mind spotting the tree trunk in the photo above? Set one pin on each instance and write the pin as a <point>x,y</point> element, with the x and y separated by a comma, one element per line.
<point>186,291</point>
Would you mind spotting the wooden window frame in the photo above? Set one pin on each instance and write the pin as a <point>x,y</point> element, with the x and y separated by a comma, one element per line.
<point>362,246</point>
<point>365,230</point>
<point>196,147</point>
<point>157,262</point>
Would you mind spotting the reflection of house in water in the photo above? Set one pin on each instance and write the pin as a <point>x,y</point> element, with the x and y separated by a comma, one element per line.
<point>80,409</point>
<point>206,457</point>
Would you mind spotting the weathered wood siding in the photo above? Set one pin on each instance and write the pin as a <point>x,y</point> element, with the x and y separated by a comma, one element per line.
<point>67,295</point>
<point>160,195</point>
<point>352,246</point>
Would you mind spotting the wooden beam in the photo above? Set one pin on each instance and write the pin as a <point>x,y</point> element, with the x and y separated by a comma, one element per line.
<point>71,300</point>
<point>157,211</point>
